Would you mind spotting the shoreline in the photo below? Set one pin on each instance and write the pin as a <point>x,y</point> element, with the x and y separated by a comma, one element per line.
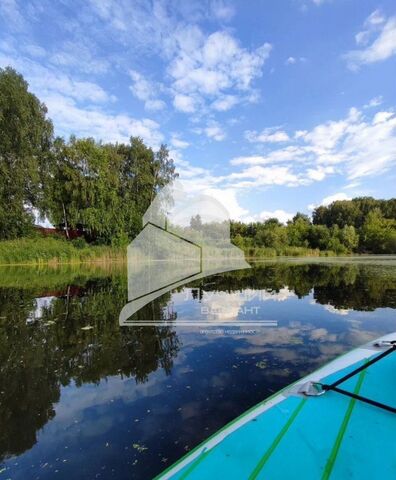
<point>52,252</point>
<point>122,260</point>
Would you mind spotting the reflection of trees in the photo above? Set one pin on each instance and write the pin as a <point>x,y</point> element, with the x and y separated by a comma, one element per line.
<point>354,286</point>
<point>372,288</point>
<point>37,359</point>
<point>28,379</point>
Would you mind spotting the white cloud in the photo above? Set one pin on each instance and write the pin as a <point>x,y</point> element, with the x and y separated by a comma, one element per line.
<point>177,142</point>
<point>222,10</point>
<point>382,47</point>
<point>146,91</point>
<point>290,61</point>
<point>362,38</point>
<point>292,153</point>
<point>320,173</point>
<point>215,131</point>
<point>79,55</point>
<point>281,215</point>
<point>73,104</point>
<point>11,13</point>
<point>294,60</point>
<point>324,137</point>
<point>228,198</point>
<point>268,135</point>
<point>382,117</point>
<point>199,179</point>
<point>330,199</point>
<point>257,176</point>
<point>375,18</point>
<point>45,81</point>
<point>155,104</point>
<point>352,185</point>
<point>225,102</point>
<point>202,71</point>
<point>69,117</point>
<point>359,146</point>
<point>35,51</point>
<point>249,160</point>
<point>334,198</point>
<point>184,103</point>
<point>355,147</point>
<point>137,26</point>
<point>337,311</point>
<point>192,176</point>
<point>140,87</point>
<point>300,134</point>
<point>211,67</point>
<point>7,46</point>
<point>374,102</point>
<point>370,148</point>
<point>371,25</point>
<point>346,146</point>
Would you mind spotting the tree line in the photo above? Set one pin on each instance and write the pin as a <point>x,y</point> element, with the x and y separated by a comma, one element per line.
<point>361,225</point>
<point>107,187</point>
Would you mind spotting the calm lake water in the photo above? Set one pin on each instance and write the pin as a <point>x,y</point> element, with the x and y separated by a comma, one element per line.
<point>83,398</point>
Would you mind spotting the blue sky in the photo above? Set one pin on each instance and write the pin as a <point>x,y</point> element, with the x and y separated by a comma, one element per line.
<point>270,106</point>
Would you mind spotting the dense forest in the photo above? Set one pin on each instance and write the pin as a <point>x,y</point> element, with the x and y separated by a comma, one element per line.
<point>361,225</point>
<point>107,187</point>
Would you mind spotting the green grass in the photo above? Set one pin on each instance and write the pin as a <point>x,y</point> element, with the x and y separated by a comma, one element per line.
<point>39,250</point>
<point>53,251</point>
<point>261,252</point>
<point>39,278</point>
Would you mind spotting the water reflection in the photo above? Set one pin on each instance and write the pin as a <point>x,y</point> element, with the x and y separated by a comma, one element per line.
<point>47,342</point>
<point>356,286</point>
<point>126,402</point>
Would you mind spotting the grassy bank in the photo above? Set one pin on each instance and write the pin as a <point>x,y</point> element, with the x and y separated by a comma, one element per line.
<point>36,251</point>
<point>263,252</point>
<point>53,251</point>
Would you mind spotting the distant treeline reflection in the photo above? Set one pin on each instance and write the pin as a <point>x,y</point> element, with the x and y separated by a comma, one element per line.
<point>355,286</point>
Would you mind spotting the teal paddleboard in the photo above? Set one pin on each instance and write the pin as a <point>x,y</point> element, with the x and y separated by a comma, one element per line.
<point>337,423</point>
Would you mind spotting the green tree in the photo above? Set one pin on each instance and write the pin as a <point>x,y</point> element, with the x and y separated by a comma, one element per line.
<point>107,188</point>
<point>271,234</point>
<point>143,173</point>
<point>378,233</point>
<point>349,238</point>
<point>25,142</point>
<point>298,230</point>
<point>319,237</point>
<point>341,213</point>
<point>84,187</point>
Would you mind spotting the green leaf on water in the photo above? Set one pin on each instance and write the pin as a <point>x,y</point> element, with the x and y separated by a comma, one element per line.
<point>139,448</point>
<point>262,364</point>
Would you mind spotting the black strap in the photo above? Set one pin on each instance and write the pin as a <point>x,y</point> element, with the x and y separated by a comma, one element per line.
<point>334,386</point>
<point>362,399</point>
<point>366,365</point>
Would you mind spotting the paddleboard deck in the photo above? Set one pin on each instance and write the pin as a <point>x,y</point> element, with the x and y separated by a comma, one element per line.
<point>309,432</point>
